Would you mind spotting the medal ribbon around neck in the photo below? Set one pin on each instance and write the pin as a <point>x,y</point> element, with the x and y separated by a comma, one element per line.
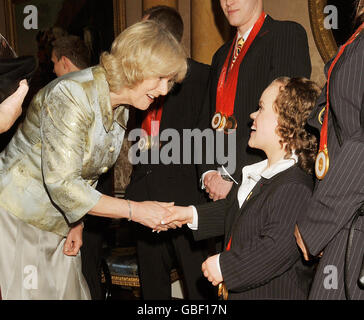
<point>154,113</point>
<point>227,85</point>
<point>322,160</point>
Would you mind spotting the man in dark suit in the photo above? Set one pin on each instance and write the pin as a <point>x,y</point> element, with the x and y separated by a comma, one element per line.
<point>271,49</point>
<point>157,253</point>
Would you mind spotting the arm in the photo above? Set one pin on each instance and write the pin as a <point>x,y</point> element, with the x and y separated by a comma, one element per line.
<point>10,108</point>
<point>64,125</point>
<point>273,250</point>
<point>336,198</point>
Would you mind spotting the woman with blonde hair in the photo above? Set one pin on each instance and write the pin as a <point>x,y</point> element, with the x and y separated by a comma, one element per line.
<point>72,133</point>
<point>261,259</point>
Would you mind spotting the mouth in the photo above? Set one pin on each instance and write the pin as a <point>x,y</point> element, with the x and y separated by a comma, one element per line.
<point>150,97</point>
<point>232,11</point>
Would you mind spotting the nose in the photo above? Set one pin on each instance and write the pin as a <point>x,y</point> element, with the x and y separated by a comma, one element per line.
<point>253,115</point>
<point>163,86</point>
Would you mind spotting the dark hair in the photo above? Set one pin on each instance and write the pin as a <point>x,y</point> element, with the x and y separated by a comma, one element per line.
<point>168,17</point>
<point>73,48</point>
<point>294,103</point>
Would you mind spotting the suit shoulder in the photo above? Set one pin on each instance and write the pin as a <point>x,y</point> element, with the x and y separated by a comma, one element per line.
<point>193,64</point>
<point>296,176</point>
<point>288,26</point>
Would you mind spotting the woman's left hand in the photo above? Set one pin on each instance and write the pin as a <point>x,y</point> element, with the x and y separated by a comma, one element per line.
<point>211,271</point>
<point>74,241</point>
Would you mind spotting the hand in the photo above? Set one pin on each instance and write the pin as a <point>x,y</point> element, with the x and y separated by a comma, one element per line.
<point>217,187</point>
<point>10,108</point>
<point>179,216</point>
<point>151,213</point>
<point>74,241</point>
<point>301,243</point>
<point>211,271</point>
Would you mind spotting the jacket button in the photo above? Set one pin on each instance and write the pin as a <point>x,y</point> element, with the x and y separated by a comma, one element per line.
<point>112,149</point>
<point>104,169</point>
<point>112,127</point>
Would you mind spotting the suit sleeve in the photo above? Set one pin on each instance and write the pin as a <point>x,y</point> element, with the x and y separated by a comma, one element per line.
<point>273,250</point>
<point>291,56</point>
<point>337,196</point>
<point>212,215</point>
<point>64,125</point>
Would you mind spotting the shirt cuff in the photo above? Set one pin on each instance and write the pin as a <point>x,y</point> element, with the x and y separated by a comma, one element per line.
<point>218,264</point>
<point>203,177</point>
<point>194,224</point>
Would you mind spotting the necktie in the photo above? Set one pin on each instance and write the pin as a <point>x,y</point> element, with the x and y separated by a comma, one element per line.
<point>239,46</point>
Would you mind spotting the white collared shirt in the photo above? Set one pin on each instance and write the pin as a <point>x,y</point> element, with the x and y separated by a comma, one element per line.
<point>251,175</point>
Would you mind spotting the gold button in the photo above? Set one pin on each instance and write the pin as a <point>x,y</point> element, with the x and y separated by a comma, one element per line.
<point>112,149</point>
<point>112,127</point>
<point>104,169</point>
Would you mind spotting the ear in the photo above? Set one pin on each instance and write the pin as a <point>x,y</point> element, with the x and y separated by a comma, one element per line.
<point>64,62</point>
<point>68,65</point>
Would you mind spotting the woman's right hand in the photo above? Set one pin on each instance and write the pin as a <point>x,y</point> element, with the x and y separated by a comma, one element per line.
<point>151,213</point>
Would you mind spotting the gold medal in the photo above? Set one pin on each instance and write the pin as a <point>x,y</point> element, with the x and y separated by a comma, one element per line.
<point>222,292</point>
<point>216,121</point>
<point>231,124</point>
<point>322,164</point>
<point>144,143</point>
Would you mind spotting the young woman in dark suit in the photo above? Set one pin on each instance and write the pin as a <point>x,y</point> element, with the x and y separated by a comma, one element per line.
<point>261,259</point>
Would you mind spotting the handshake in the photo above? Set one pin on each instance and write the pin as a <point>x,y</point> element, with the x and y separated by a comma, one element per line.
<point>161,216</point>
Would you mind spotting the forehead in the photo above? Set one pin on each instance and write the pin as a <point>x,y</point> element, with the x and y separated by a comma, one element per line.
<point>271,92</point>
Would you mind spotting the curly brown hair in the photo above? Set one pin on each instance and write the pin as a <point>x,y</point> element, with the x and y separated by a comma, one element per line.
<point>294,103</point>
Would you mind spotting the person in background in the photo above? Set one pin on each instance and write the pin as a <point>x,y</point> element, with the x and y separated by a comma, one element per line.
<point>157,253</point>
<point>261,259</point>
<point>262,50</point>
<point>69,54</point>
<point>333,229</point>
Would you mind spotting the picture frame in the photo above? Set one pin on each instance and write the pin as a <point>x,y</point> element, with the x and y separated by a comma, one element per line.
<point>324,38</point>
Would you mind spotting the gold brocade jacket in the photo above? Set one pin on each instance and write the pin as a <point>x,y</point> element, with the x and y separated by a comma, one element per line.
<point>70,136</point>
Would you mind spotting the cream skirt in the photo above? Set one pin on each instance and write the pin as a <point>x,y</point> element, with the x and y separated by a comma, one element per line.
<point>33,266</point>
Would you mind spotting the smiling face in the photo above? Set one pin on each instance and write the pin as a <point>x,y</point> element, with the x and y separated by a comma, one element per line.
<point>264,134</point>
<point>143,94</point>
<point>241,13</point>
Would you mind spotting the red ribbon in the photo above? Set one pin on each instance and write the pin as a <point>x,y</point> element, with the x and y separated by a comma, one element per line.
<point>324,129</point>
<point>227,85</point>
<point>154,113</point>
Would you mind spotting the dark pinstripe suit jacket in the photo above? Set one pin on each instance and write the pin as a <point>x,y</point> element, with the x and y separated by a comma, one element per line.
<point>264,261</point>
<point>339,194</point>
<point>280,49</point>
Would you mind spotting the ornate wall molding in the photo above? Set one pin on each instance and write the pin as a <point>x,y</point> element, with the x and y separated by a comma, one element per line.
<point>324,38</point>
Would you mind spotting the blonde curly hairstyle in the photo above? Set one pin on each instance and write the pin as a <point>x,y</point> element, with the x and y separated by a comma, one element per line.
<point>294,103</point>
<point>143,51</point>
